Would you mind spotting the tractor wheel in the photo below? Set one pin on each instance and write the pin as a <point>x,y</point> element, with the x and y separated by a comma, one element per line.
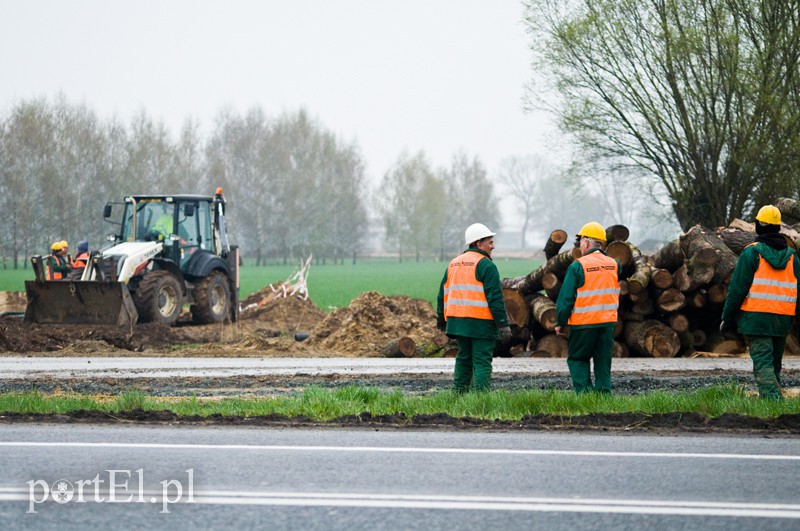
<point>159,298</point>
<point>212,299</point>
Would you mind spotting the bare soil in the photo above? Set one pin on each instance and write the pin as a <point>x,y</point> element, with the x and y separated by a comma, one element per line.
<point>273,326</point>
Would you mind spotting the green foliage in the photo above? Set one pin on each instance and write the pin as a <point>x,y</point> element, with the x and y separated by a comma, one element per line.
<point>701,95</point>
<point>326,404</point>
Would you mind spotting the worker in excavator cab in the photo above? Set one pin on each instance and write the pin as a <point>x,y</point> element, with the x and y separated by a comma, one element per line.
<point>163,227</point>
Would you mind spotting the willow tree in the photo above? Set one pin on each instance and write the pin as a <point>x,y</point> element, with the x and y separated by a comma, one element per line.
<point>703,95</point>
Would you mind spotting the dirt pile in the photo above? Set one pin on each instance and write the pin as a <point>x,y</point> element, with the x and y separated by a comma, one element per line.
<point>268,326</point>
<point>285,314</point>
<point>19,337</point>
<point>12,301</point>
<point>371,321</point>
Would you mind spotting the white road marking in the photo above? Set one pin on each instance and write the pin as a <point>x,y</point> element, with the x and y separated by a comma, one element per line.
<point>379,449</point>
<point>484,503</point>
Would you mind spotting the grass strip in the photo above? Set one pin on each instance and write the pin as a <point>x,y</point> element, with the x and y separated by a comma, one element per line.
<point>325,404</point>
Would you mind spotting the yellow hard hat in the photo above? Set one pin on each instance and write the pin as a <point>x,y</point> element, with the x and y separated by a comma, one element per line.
<point>769,214</point>
<point>56,246</point>
<point>594,231</point>
<point>64,244</point>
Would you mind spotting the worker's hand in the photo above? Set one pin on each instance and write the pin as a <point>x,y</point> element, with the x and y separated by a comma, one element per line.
<point>559,331</point>
<point>505,332</point>
<point>441,324</point>
<point>725,326</point>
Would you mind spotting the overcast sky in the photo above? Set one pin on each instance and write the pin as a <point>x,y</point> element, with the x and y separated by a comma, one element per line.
<point>435,75</point>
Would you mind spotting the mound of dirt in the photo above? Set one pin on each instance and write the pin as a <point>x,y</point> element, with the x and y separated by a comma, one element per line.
<point>284,314</point>
<point>19,337</point>
<point>371,321</point>
<point>12,301</point>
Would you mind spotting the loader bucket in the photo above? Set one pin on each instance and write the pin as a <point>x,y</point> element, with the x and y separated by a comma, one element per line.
<point>79,302</point>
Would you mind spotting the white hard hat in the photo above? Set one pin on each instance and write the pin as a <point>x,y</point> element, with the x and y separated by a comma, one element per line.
<point>475,232</point>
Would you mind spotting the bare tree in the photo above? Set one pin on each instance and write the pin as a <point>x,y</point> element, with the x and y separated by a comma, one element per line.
<point>702,94</point>
<point>522,176</point>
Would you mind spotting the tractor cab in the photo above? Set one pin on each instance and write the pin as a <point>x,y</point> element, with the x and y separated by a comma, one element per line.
<point>183,224</point>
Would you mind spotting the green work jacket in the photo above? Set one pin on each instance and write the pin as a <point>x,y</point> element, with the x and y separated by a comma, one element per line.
<point>757,323</point>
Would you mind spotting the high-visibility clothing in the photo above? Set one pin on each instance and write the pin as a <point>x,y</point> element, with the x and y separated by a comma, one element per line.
<point>597,301</point>
<point>81,260</point>
<point>773,290</point>
<point>463,292</point>
<point>53,264</point>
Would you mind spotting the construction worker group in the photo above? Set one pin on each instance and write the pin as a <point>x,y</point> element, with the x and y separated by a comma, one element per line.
<point>761,302</point>
<point>61,266</point>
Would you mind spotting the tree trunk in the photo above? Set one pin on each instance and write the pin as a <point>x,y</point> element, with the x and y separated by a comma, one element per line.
<point>617,233</point>
<point>405,347</point>
<point>621,251</point>
<point>551,285</point>
<point>532,282</point>
<point>551,346</point>
<point>699,240</point>
<point>621,350</point>
<point>789,208</point>
<point>557,238</point>
<point>669,257</point>
<point>697,299</point>
<point>736,240</point>
<point>670,300</point>
<point>516,307</point>
<point>717,293</point>
<point>640,278</point>
<point>661,278</point>
<point>679,322</point>
<point>652,339</point>
<point>544,312</point>
<point>680,278</point>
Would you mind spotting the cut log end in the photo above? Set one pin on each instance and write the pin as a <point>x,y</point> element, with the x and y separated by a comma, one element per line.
<point>404,347</point>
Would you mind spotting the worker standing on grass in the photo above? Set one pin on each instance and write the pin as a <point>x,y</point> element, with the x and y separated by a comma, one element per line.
<point>470,309</point>
<point>762,298</point>
<point>588,303</point>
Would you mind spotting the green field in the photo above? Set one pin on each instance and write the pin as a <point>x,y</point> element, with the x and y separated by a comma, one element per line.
<point>334,286</point>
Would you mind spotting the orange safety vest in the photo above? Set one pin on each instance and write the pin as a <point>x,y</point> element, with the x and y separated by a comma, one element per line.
<point>463,292</point>
<point>596,302</point>
<point>773,290</point>
<point>81,260</point>
<point>50,274</point>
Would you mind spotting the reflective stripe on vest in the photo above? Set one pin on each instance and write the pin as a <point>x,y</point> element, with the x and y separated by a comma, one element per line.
<point>773,290</point>
<point>463,292</point>
<point>596,302</point>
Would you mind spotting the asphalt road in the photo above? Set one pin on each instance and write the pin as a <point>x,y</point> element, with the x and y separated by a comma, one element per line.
<point>337,479</point>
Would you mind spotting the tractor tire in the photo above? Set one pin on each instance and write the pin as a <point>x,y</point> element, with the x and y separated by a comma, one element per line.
<point>159,298</point>
<point>212,299</point>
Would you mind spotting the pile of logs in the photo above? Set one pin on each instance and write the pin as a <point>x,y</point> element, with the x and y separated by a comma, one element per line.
<point>670,302</point>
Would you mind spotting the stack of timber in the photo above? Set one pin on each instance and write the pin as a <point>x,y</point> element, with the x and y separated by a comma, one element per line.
<point>670,302</point>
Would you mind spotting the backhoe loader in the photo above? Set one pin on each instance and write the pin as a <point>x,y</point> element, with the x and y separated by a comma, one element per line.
<point>168,251</point>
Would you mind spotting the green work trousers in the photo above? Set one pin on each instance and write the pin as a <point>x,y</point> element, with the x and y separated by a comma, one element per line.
<point>767,355</point>
<point>587,344</point>
<point>473,364</point>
